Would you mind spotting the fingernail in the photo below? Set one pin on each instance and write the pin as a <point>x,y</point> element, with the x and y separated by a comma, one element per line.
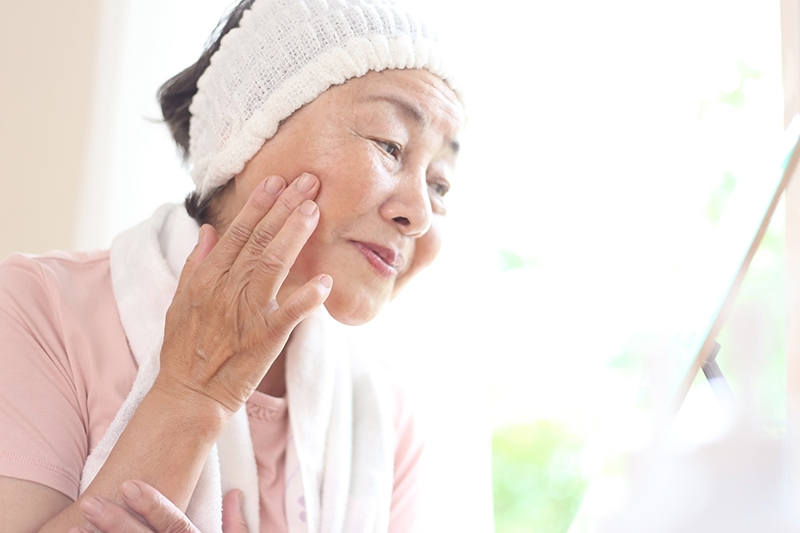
<point>308,207</point>
<point>306,182</point>
<point>273,185</point>
<point>200,234</point>
<point>130,490</point>
<point>92,506</point>
<point>326,281</point>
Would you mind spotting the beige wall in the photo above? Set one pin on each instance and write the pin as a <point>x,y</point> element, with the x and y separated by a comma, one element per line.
<point>46,69</point>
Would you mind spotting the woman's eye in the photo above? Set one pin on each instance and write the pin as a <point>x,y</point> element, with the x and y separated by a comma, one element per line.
<point>440,188</point>
<point>390,148</point>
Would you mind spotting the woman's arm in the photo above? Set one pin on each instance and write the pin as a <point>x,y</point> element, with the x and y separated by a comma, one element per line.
<point>223,331</point>
<point>26,505</point>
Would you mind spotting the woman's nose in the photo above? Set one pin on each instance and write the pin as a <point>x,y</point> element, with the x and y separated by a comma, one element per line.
<point>409,205</point>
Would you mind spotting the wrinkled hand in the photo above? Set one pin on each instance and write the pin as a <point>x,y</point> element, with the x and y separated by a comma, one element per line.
<point>224,327</point>
<point>158,513</point>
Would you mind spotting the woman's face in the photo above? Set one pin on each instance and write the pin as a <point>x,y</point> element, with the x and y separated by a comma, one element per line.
<point>384,149</point>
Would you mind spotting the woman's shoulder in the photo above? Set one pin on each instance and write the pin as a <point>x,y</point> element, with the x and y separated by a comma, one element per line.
<point>66,359</point>
<point>69,294</point>
<point>67,299</point>
<point>65,362</point>
<point>52,265</point>
<point>54,279</point>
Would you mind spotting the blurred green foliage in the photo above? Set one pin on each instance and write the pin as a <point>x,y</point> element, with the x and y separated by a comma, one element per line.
<point>537,478</point>
<point>737,97</point>
<point>513,261</point>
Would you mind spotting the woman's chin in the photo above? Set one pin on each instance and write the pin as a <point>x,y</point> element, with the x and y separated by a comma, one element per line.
<point>353,311</point>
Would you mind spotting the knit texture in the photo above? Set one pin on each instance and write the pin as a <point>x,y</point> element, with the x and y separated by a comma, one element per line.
<point>284,54</point>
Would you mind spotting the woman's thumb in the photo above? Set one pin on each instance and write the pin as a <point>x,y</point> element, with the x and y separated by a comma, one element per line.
<point>233,513</point>
<point>206,240</point>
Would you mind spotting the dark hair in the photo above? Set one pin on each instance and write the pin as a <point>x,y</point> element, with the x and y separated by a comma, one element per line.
<point>175,97</point>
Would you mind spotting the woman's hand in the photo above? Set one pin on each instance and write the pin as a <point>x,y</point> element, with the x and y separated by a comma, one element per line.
<point>158,513</point>
<point>225,326</point>
<point>224,329</point>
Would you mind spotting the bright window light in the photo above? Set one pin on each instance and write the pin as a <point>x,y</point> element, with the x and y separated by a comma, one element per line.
<point>604,142</point>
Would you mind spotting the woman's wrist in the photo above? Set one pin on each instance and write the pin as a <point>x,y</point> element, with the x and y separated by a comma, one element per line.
<point>191,410</point>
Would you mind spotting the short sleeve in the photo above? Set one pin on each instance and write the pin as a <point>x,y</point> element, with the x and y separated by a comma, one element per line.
<point>41,420</point>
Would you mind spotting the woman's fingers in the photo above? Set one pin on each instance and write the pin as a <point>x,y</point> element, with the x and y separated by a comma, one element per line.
<point>233,513</point>
<point>160,513</point>
<point>273,264</point>
<point>261,201</point>
<point>302,302</point>
<point>297,306</point>
<point>108,517</point>
<point>302,190</point>
<point>260,219</point>
<point>206,240</point>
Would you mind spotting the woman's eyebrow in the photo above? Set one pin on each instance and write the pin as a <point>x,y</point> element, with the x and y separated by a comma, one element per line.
<point>407,108</point>
<point>411,111</point>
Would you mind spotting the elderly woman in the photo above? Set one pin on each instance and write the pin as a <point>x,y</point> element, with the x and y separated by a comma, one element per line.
<point>139,384</point>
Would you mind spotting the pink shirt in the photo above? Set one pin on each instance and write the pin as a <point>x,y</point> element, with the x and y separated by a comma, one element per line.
<point>66,368</point>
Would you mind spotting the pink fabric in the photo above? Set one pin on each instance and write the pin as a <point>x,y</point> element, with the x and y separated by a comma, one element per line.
<point>269,426</point>
<point>65,369</point>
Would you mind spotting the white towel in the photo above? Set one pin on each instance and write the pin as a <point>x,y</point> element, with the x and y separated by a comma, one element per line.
<point>340,453</point>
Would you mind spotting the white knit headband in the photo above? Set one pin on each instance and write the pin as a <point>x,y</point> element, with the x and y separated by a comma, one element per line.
<point>284,54</point>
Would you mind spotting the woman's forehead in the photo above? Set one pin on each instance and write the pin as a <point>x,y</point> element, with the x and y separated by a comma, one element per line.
<point>418,95</point>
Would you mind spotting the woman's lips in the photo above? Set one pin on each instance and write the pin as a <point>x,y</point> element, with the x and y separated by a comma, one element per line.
<point>385,260</point>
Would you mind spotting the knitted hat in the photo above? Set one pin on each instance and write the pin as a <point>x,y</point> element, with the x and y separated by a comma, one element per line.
<point>284,54</point>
